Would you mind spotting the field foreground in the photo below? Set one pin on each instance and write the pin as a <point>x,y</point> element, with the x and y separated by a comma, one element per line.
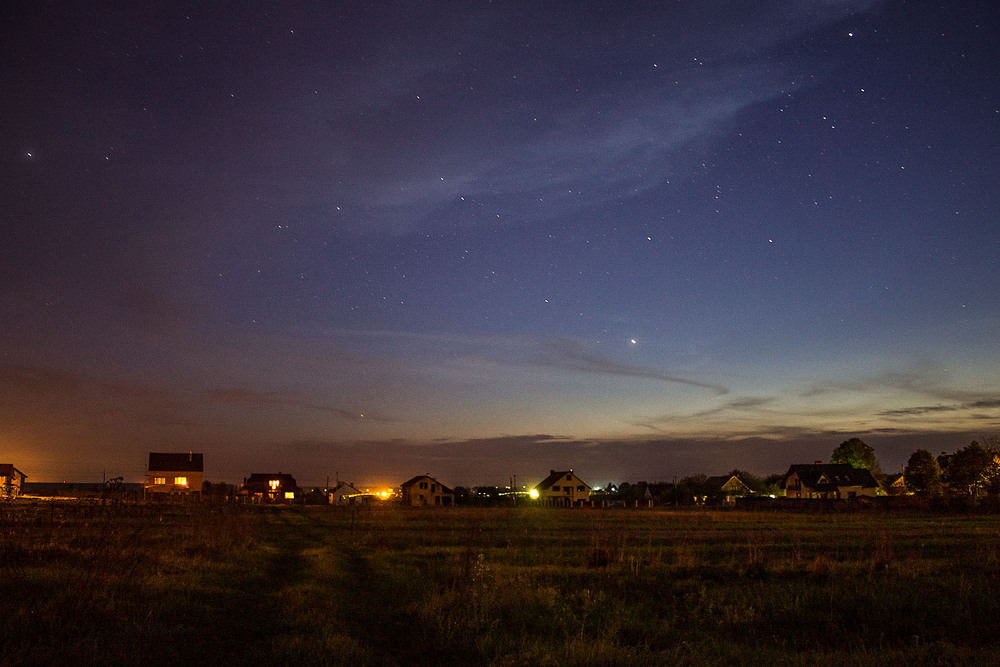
<point>167,584</point>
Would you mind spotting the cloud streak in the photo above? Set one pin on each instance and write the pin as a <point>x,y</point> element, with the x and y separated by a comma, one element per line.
<point>571,355</point>
<point>533,145</point>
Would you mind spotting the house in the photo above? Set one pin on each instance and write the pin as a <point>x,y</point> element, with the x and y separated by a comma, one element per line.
<point>726,488</point>
<point>425,490</point>
<point>897,485</point>
<point>828,480</point>
<point>11,481</point>
<point>270,488</point>
<point>344,494</point>
<point>174,474</point>
<point>562,489</point>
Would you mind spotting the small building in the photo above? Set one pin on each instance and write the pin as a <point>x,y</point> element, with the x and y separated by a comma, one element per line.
<point>562,489</point>
<point>344,494</point>
<point>897,485</point>
<point>270,488</point>
<point>424,490</point>
<point>11,481</point>
<point>726,489</point>
<point>174,474</point>
<point>828,480</point>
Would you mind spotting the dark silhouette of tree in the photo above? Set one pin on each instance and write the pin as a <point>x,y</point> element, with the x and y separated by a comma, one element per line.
<point>923,474</point>
<point>692,490</point>
<point>972,470</point>
<point>859,455</point>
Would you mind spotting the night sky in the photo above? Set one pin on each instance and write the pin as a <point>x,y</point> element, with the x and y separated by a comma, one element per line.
<point>480,239</point>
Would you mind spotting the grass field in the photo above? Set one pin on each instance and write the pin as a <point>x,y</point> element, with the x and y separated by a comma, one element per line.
<point>212,584</point>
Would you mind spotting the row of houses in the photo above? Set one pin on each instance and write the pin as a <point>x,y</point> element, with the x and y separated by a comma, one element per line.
<point>180,474</point>
<point>183,474</point>
<point>563,488</point>
<point>173,475</point>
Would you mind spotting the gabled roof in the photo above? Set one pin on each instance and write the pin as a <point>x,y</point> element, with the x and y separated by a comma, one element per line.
<point>176,462</point>
<point>896,479</point>
<point>8,469</point>
<point>831,475</point>
<point>346,487</point>
<point>285,481</point>
<point>555,476</point>
<point>719,482</point>
<point>413,480</point>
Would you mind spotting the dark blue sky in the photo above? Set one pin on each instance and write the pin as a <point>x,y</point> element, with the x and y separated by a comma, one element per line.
<point>483,239</point>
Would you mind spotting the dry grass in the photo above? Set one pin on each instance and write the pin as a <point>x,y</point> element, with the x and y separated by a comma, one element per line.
<point>129,584</point>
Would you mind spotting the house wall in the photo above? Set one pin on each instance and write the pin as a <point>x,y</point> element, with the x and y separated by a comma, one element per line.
<point>569,491</point>
<point>426,492</point>
<point>169,487</point>
<point>10,485</point>
<point>794,488</point>
<point>855,491</point>
<point>343,496</point>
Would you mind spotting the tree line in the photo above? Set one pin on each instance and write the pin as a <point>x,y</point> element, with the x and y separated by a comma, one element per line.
<point>973,471</point>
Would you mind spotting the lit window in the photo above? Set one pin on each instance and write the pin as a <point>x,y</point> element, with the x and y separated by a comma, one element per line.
<point>289,495</point>
<point>274,484</point>
<point>159,480</point>
<point>181,481</point>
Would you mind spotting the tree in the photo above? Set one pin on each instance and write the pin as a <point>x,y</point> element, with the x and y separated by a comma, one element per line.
<point>693,489</point>
<point>922,473</point>
<point>859,455</point>
<point>972,470</point>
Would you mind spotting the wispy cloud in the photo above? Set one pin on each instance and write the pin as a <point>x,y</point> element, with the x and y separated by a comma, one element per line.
<point>982,404</point>
<point>530,146</point>
<point>572,355</point>
<point>925,378</point>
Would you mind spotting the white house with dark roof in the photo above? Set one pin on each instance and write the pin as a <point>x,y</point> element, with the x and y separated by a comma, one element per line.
<point>562,489</point>
<point>344,494</point>
<point>829,480</point>
<point>177,474</point>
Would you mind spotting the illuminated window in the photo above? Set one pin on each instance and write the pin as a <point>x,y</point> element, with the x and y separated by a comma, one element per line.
<point>181,481</point>
<point>159,480</point>
<point>289,495</point>
<point>274,484</point>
